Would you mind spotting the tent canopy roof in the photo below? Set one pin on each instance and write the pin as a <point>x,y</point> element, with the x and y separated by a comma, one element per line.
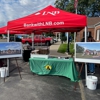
<point>49,19</point>
<point>3,30</point>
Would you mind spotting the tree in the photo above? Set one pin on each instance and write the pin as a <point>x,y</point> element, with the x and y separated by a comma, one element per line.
<point>91,8</point>
<point>49,34</point>
<point>61,4</point>
<point>79,49</point>
<point>63,37</point>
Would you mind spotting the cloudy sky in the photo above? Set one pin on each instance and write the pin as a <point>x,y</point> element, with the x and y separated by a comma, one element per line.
<point>13,9</point>
<point>11,45</point>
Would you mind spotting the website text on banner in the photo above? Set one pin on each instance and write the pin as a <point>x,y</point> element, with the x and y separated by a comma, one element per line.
<point>49,23</point>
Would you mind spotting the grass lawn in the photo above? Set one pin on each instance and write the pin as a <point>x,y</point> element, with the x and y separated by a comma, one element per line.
<point>63,48</point>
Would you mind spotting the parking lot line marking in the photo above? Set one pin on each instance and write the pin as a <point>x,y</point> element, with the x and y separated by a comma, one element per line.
<point>82,90</point>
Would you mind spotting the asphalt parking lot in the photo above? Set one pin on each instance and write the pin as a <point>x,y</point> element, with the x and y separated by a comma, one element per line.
<point>35,87</point>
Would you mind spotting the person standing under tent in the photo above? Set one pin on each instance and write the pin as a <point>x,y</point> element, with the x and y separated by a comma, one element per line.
<point>91,66</point>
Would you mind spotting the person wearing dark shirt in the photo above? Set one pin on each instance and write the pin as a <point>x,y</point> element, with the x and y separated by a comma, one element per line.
<point>91,66</point>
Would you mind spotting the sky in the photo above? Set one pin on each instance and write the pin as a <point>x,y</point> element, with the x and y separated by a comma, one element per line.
<point>14,9</point>
<point>11,46</point>
<point>90,45</point>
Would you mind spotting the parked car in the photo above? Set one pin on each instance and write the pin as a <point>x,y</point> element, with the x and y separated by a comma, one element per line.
<point>18,37</point>
<point>4,36</point>
<point>38,39</point>
<point>55,40</point>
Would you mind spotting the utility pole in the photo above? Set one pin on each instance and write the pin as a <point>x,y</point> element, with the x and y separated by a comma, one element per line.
<point>68,44</point>
<point>75,6</point>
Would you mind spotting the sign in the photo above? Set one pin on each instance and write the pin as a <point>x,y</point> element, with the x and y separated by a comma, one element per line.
<point>88,52</point>
<point>10,49</point>
<point>48,23</point>
<point>75,4</point>
<point>48,13</point>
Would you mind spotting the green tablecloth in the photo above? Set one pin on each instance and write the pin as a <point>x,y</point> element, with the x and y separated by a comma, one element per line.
<point>56,67</point>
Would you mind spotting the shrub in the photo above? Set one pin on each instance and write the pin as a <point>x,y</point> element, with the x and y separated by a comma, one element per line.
<point>63,48</point>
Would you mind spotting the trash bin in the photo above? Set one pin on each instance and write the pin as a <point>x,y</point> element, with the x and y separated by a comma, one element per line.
<point>4,71</point>
<point>91,82</point>
<point>26,55</point>
<point>89,76</point>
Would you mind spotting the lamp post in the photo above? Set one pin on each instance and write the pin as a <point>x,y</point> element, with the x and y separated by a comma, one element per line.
<point>68,51</point>
<point>68,45</point>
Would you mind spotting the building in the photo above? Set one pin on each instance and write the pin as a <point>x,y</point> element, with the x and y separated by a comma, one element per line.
<point>93,29</point>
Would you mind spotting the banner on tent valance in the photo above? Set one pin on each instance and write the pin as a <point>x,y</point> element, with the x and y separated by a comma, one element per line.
<point>48,23</point>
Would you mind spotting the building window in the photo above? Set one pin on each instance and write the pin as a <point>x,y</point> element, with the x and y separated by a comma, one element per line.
<point>88,34</point>
<point>98,35</point>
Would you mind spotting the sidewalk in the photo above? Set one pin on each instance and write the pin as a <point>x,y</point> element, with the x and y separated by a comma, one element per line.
<point>54,48</point>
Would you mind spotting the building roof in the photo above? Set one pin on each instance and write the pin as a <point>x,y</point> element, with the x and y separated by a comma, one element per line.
<point>91,21</point>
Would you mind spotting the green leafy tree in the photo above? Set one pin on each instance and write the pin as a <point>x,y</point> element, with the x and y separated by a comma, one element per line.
<point>49,34</point>
<point>85,7</point>
<point>63,37</point>
<point>61,4</point>
<point>79,49</point>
